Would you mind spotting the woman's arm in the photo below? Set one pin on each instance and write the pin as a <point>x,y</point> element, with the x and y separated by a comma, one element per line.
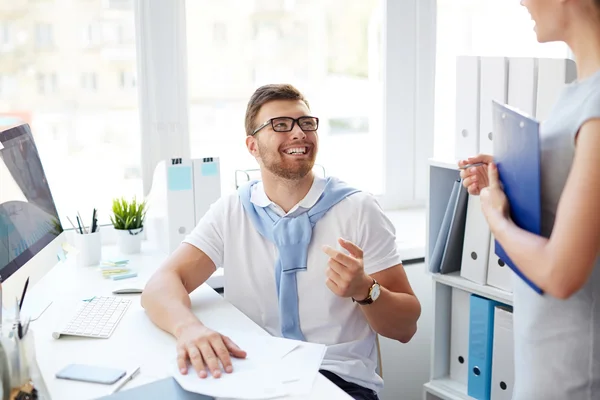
<point>562,264</point>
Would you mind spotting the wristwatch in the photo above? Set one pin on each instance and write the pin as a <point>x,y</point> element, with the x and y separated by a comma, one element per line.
<point>374,292</point>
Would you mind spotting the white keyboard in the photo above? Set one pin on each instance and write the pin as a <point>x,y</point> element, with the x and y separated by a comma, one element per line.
<point>96,318</point>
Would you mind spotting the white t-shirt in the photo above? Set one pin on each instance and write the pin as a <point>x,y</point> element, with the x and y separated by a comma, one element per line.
<point>226,234</point>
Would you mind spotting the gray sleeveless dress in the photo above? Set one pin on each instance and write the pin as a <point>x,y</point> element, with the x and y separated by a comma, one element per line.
<point>557,342</point>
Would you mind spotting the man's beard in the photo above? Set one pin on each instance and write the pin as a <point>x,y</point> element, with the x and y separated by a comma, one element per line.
<point>284,168</point>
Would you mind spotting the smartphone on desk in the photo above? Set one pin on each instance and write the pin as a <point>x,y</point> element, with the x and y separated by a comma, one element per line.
<point>91,373</point>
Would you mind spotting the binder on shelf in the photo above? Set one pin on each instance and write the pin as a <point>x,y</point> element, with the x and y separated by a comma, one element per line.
<point>552,77</point>
<point>498,274</point>
<point>447,252</point>
<point>476,247</point>
<point>517,155</point>
<point>207,184</point>
<point>180,200</point>
<point>522,82</point>
<point>503,370</point>
<point>440,243</point>
<point>467,106</point>
<point>452,255</point>
<point>481,340</point>
<point>493,86</point>
<point>459,336</point>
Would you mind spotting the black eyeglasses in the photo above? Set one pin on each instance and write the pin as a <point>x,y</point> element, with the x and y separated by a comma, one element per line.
<point>286,124</point>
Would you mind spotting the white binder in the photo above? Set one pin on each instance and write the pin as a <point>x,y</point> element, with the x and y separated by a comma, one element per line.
<point>467,107</point>
<point>493,86</point>
<point>207,185</point>
<point>503,370</point>
<point>459,336</point>
<point>180,200</point>
<point>499,275</point>
<point>522,84</point>
<point>553,75</point>
<point>476,245</point>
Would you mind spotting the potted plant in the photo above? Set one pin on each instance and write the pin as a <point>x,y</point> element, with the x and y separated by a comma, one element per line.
<point>128,220</point>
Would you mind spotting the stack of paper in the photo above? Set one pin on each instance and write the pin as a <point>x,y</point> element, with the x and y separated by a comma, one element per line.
<point>116,269</point>
<point>273,367</point>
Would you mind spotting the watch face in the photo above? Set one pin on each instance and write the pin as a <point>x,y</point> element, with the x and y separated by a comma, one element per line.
<point>375,292</point>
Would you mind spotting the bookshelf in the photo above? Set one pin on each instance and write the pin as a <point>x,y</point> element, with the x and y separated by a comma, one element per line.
<point>441,175</point>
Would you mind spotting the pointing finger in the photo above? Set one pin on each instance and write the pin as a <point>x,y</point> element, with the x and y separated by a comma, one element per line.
<point>353,249</point>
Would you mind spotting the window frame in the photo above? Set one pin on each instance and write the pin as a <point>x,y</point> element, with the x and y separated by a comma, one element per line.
<point>408,91</point>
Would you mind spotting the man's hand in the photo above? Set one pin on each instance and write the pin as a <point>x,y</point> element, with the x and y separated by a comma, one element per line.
<point>345,273</point>
<point>205,348</point>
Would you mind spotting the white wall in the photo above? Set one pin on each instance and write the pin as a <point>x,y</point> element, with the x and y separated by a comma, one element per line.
<point>406,366</point>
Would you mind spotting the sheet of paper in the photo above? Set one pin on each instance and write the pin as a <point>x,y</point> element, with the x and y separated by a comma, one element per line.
<point>261,347</point>
<point>274,367</point>
<point>244,383</point>
<point>298,370</point>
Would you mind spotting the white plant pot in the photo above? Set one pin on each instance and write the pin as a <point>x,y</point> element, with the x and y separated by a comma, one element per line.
<point>129,240</point>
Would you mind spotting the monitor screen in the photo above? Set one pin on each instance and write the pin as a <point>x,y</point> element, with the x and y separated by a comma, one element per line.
<point>28,217</point>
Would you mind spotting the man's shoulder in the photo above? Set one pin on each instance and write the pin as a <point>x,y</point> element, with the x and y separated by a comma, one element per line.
<point>227,205</point>
<point>361,200</point>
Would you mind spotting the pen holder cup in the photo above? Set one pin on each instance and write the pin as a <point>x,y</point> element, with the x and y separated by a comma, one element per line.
<point>89,248</point>
<point>18,358</point>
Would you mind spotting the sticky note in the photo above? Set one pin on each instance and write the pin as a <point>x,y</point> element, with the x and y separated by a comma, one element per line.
<point>180,178</point>
<point>209,169</point>
<point>123,276</point>
<point>61,255</point>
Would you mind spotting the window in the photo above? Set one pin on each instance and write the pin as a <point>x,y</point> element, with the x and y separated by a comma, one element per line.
<point>86,129</point>
<point>47,83</point>
<point>329,50</point>
<point>4,33</point>
<point>43,35</point>
<point>89,81</point>
<point>126,80</point>
<point>8,86</point>
<point>466,27</point>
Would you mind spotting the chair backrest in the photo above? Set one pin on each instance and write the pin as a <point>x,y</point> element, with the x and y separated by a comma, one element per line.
<point>379,361</point>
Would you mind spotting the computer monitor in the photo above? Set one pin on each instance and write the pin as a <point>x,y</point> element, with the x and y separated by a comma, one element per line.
<point>30,229</point>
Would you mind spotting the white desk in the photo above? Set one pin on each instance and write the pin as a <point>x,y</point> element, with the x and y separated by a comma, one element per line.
<point>136,340</point>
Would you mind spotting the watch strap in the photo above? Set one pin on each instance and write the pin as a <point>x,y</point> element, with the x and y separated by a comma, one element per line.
<point>368,299</point>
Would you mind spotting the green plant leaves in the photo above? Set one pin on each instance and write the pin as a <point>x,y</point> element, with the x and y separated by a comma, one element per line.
<point>128,215</point>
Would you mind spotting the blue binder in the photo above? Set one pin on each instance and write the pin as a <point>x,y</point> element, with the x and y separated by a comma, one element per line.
<point>481,343</point>
<point>517,155</point>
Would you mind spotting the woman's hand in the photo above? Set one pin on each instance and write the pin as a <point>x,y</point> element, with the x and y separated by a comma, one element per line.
<point>494,202</point>
<point>475,178</point>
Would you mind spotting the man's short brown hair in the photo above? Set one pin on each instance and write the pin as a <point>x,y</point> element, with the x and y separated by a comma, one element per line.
<point>265,94</point>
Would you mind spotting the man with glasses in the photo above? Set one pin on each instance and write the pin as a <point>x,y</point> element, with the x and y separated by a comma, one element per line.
<point>306,258</point>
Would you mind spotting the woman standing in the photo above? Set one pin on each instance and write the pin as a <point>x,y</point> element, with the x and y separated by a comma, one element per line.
<point>557,335</point>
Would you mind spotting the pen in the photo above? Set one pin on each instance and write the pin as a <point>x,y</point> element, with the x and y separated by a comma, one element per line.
<point>82,224</point>
<point>18,319</point>
<point>23,295</point>
<point>94,221</point>
<point>72,224</point>
<point>79,224</point>
<point>472,165</point>
<point>127,379</point>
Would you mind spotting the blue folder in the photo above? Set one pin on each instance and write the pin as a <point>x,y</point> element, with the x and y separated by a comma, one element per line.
<point>481,341</point>
<point>517,155</point>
